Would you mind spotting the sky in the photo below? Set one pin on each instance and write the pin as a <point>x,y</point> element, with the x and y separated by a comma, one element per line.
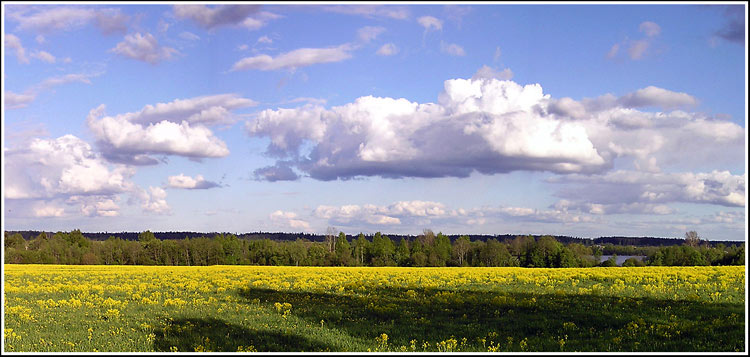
<point>584,120</point>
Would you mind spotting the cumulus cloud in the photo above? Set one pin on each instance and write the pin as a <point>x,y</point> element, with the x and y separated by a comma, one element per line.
<point>646,190</point>
<point>247,16</point>
<point>129,142</point>
<point>14,43</point>
<point>187,182</point>
<point>154,200</point>
<point>301,57</point>
<point>452,49</point>
<point>46,211</point>
<point>430,23</point>
<point>143,48</point>
<point>55,19</point>
<point>264,39</point>
<point>490,126</point>
<point>289,219</point>
<point>387,49</point>
<point>174,128</point>
<point>484,125</point>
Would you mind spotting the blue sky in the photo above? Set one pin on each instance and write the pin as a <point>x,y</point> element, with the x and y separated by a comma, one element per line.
<point>583,120</point>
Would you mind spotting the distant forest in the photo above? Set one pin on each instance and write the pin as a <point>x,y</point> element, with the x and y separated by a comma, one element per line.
<point>339,249</point>
<point>282,236</point>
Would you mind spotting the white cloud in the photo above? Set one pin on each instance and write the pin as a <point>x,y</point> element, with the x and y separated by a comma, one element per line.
<point>124,141</point>
<point>452,49</point>
<point>209,110</point>
<point>46,211</point>
<point>155,200</point>
<point>430,23</point>
<point>290,220</point>
<point>187,182</point>
<point>649,28</point>
<point>655,96</point>
<point>56,19</point>
<point>645,189</point>
<point>486,72</point>
<point>369,33</point>
<point>44,56</point>
<point>294,59</point>
<point>143,48</point>
<point>64,168</point>
<point>492,126</point>
<point>15,101</point>
<point>14,43</point>
<point>387,49</point>
<point>264,39</point>
<point>371,11</point>
<point>174,128</point>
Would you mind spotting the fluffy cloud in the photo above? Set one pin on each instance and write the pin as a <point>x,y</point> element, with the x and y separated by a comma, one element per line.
<point>46,211</point>
<point>646,192</point>
<point>143,48</point>
<point>187,182</point>
<point>430,23</point>
<point>484,125</point>
<point>54,19</point>
<point>174,128</point>
<point>290,220</point>
<point>154,200</point>
<point>279,172</point>
<point>387,49</point>
<point>637,49</point>
<point>14,43</point>
<point>301,57</point>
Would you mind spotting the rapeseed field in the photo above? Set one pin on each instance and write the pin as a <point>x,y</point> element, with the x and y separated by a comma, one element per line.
<point>74,308</point>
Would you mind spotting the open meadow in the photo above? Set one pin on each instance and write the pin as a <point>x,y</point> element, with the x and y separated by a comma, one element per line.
<point>253,308</point>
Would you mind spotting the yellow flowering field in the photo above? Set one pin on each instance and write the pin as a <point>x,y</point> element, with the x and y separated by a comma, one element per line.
<point>261,308</point>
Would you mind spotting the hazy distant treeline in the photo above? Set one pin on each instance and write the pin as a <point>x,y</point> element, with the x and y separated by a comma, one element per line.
<point>427,249</point>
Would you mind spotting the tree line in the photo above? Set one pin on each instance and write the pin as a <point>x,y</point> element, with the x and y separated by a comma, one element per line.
<point>425,250</point>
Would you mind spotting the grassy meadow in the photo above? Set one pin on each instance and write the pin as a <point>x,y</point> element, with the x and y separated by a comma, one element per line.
<point>76,308</point>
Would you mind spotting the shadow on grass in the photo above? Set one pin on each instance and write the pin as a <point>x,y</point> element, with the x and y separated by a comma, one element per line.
<point>214,335</point>
<point>581,322</point>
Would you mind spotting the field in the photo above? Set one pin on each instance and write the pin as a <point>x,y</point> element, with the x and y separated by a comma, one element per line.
<point>242,308</point>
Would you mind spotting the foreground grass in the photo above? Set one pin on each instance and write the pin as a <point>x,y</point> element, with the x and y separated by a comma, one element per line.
<point>231,308</point>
